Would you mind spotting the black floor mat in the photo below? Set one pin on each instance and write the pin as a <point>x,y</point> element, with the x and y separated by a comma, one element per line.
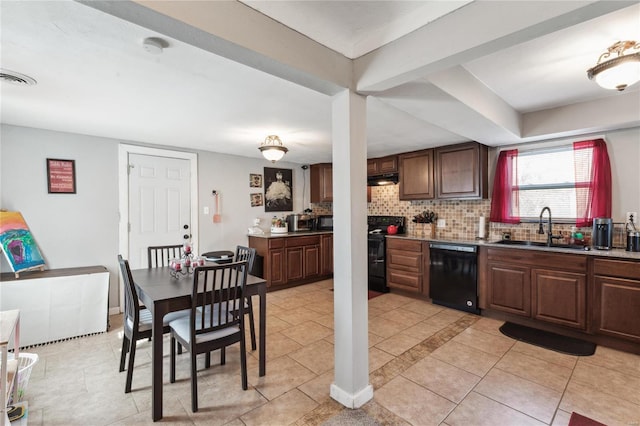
<point>547,340</point>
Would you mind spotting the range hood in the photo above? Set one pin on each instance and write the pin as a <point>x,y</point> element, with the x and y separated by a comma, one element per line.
<point>385,179</point>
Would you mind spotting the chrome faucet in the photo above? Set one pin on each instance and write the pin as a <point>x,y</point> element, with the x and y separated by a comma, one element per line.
<point>550,236</point>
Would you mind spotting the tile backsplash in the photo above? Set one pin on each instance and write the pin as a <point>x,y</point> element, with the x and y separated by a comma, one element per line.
<point>461,217</point>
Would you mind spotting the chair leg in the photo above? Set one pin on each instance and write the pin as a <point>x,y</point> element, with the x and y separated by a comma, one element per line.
<point>172,368</point>
<point>123,353</point>
<point>207,360</point>
<point>252,324</point>
<point>243,363</point>
<point>132,358</point>
<point>194,383</point>
<point>223,356</point>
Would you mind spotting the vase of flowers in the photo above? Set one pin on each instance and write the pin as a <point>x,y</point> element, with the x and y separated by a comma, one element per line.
<point>426,220</point>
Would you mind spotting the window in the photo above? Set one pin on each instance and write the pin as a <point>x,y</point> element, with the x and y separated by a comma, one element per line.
<point>574,181</point>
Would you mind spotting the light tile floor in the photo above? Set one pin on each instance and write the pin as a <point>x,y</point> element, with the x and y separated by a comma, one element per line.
<point>428,365</point>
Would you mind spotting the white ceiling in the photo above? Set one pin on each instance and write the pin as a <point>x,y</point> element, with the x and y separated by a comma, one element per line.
<point>436,72</point>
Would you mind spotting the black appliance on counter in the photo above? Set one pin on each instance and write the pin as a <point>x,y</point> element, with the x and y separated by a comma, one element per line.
<point>602,238</point>
<point>453,279</point>
<point>376,231</point>
<point>324,222</point>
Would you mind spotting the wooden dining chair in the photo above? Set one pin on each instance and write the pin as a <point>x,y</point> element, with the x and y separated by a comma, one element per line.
<point>248,254</point>
<point>216,320</point>
<point>137,322</point>
<point>159,256</point>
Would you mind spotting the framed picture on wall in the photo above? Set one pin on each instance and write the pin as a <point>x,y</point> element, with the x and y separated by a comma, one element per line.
<point>255,180</point>
<point>256,199</point>
<point>61,176</point>
<point>278,195</point>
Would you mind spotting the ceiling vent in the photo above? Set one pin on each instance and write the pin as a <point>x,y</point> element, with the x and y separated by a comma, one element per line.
<point>16,78</point>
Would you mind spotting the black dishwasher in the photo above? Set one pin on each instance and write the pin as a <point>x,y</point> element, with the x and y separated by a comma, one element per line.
<point>453,276</point>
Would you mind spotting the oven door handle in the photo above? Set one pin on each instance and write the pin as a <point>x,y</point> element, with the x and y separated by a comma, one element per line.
<point>378,261</point>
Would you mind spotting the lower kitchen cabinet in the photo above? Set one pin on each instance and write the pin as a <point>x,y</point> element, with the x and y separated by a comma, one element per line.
<point>293,260</point>
<point>326,254</point>
<point>559,297</point>
<point>617,298</point>
<point>509,288</point>
<point>545,286</point>
<point>404,264</point>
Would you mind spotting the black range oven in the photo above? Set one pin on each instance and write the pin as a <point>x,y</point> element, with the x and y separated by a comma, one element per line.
<point>376,232</point>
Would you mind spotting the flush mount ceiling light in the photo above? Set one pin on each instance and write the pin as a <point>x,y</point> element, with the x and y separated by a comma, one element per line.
<point>272,148</point>
<point>621,71</point>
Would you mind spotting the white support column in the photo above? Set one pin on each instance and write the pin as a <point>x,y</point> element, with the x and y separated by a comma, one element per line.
<point>351,385</point>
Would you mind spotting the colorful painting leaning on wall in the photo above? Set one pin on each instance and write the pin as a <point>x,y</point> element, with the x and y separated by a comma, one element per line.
<point>17,242</point>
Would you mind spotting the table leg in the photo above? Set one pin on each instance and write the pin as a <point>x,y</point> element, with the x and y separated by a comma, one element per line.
<point>263,330</point>
<point>156,362</point>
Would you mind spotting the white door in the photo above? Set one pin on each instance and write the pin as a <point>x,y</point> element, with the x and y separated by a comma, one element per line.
<point>159,204</point>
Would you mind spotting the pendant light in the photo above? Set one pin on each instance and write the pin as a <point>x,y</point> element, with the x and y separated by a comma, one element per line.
<point>272,148</point>
<point>619,72</point>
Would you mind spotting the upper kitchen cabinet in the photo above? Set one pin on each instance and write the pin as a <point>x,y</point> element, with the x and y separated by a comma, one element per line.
<point>321,182</point>
<point>382,165</point>
<point>461,171</point>
<point>416,175</point>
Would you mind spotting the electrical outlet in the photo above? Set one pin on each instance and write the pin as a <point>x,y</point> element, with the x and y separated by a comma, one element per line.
<point>441,223</point>
<point>633,215</point>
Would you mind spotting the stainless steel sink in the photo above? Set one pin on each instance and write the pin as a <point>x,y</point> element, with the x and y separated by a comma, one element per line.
<point>541,244</point>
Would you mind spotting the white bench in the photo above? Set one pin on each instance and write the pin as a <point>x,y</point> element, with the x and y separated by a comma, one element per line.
<point>57,304</point>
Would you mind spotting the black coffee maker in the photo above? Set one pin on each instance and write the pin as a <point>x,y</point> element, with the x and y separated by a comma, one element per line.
<point>602,238</point>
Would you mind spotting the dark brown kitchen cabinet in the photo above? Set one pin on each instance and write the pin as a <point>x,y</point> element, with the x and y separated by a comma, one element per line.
<point>404,264</point>
<point>617,298</point>
<point>292,260</point>
<point>321,183</point>
<point>559,297</point>
<point>326,254</point>
<point>461,171</point>
<point>416,175</point>
<point>509,288</point>
<point>544,286</point>
<point>382,165</point>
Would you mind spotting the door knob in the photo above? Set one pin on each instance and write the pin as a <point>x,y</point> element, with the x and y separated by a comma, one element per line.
<point>186,226</point>
<point>186,236</point>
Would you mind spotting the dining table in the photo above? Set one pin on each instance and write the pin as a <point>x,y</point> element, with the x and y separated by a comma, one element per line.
<point>163,292</point>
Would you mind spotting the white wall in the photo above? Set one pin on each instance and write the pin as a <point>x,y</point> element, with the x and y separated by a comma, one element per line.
<point>82,229</point>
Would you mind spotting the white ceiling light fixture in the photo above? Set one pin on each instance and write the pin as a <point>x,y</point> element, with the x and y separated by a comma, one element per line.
<point>16,78</point>
<point>272,148</point>
<point>620,72</point>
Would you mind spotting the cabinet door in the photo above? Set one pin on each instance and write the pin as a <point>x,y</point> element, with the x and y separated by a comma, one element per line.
<point>416,175</point>
<point>559,297</point>
<point>294,265</point>
<point>321,183</point>
<point>616,307</point>
<point>372,167</point>
<point>326,254</point>
<point>509,288</point>
<point>404,267</point>
<point>388,164</point>
<point>276,267</point>
<point>312,261</point>
<point>461,171</point>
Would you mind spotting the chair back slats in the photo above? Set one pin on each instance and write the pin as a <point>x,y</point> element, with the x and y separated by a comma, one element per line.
<point>216,297</point>
<point>246,253</point>
<point>159,256</point>
<point>131,306</point>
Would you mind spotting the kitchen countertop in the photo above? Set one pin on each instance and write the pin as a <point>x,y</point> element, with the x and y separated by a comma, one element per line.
<point>613,253</point>
<point>290,234</point>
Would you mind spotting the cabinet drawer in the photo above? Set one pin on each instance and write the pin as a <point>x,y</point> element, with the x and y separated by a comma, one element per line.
<point>617,268</point>
<point>401,244</point>
<point>562,261</point>
<point>276,243</point>
<point>403,280</point>
<point>404,260</point>
<point>303,241</point>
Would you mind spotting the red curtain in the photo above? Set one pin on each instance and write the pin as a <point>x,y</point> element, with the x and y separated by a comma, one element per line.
<point>504,199</point>
<point>593,181</point>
